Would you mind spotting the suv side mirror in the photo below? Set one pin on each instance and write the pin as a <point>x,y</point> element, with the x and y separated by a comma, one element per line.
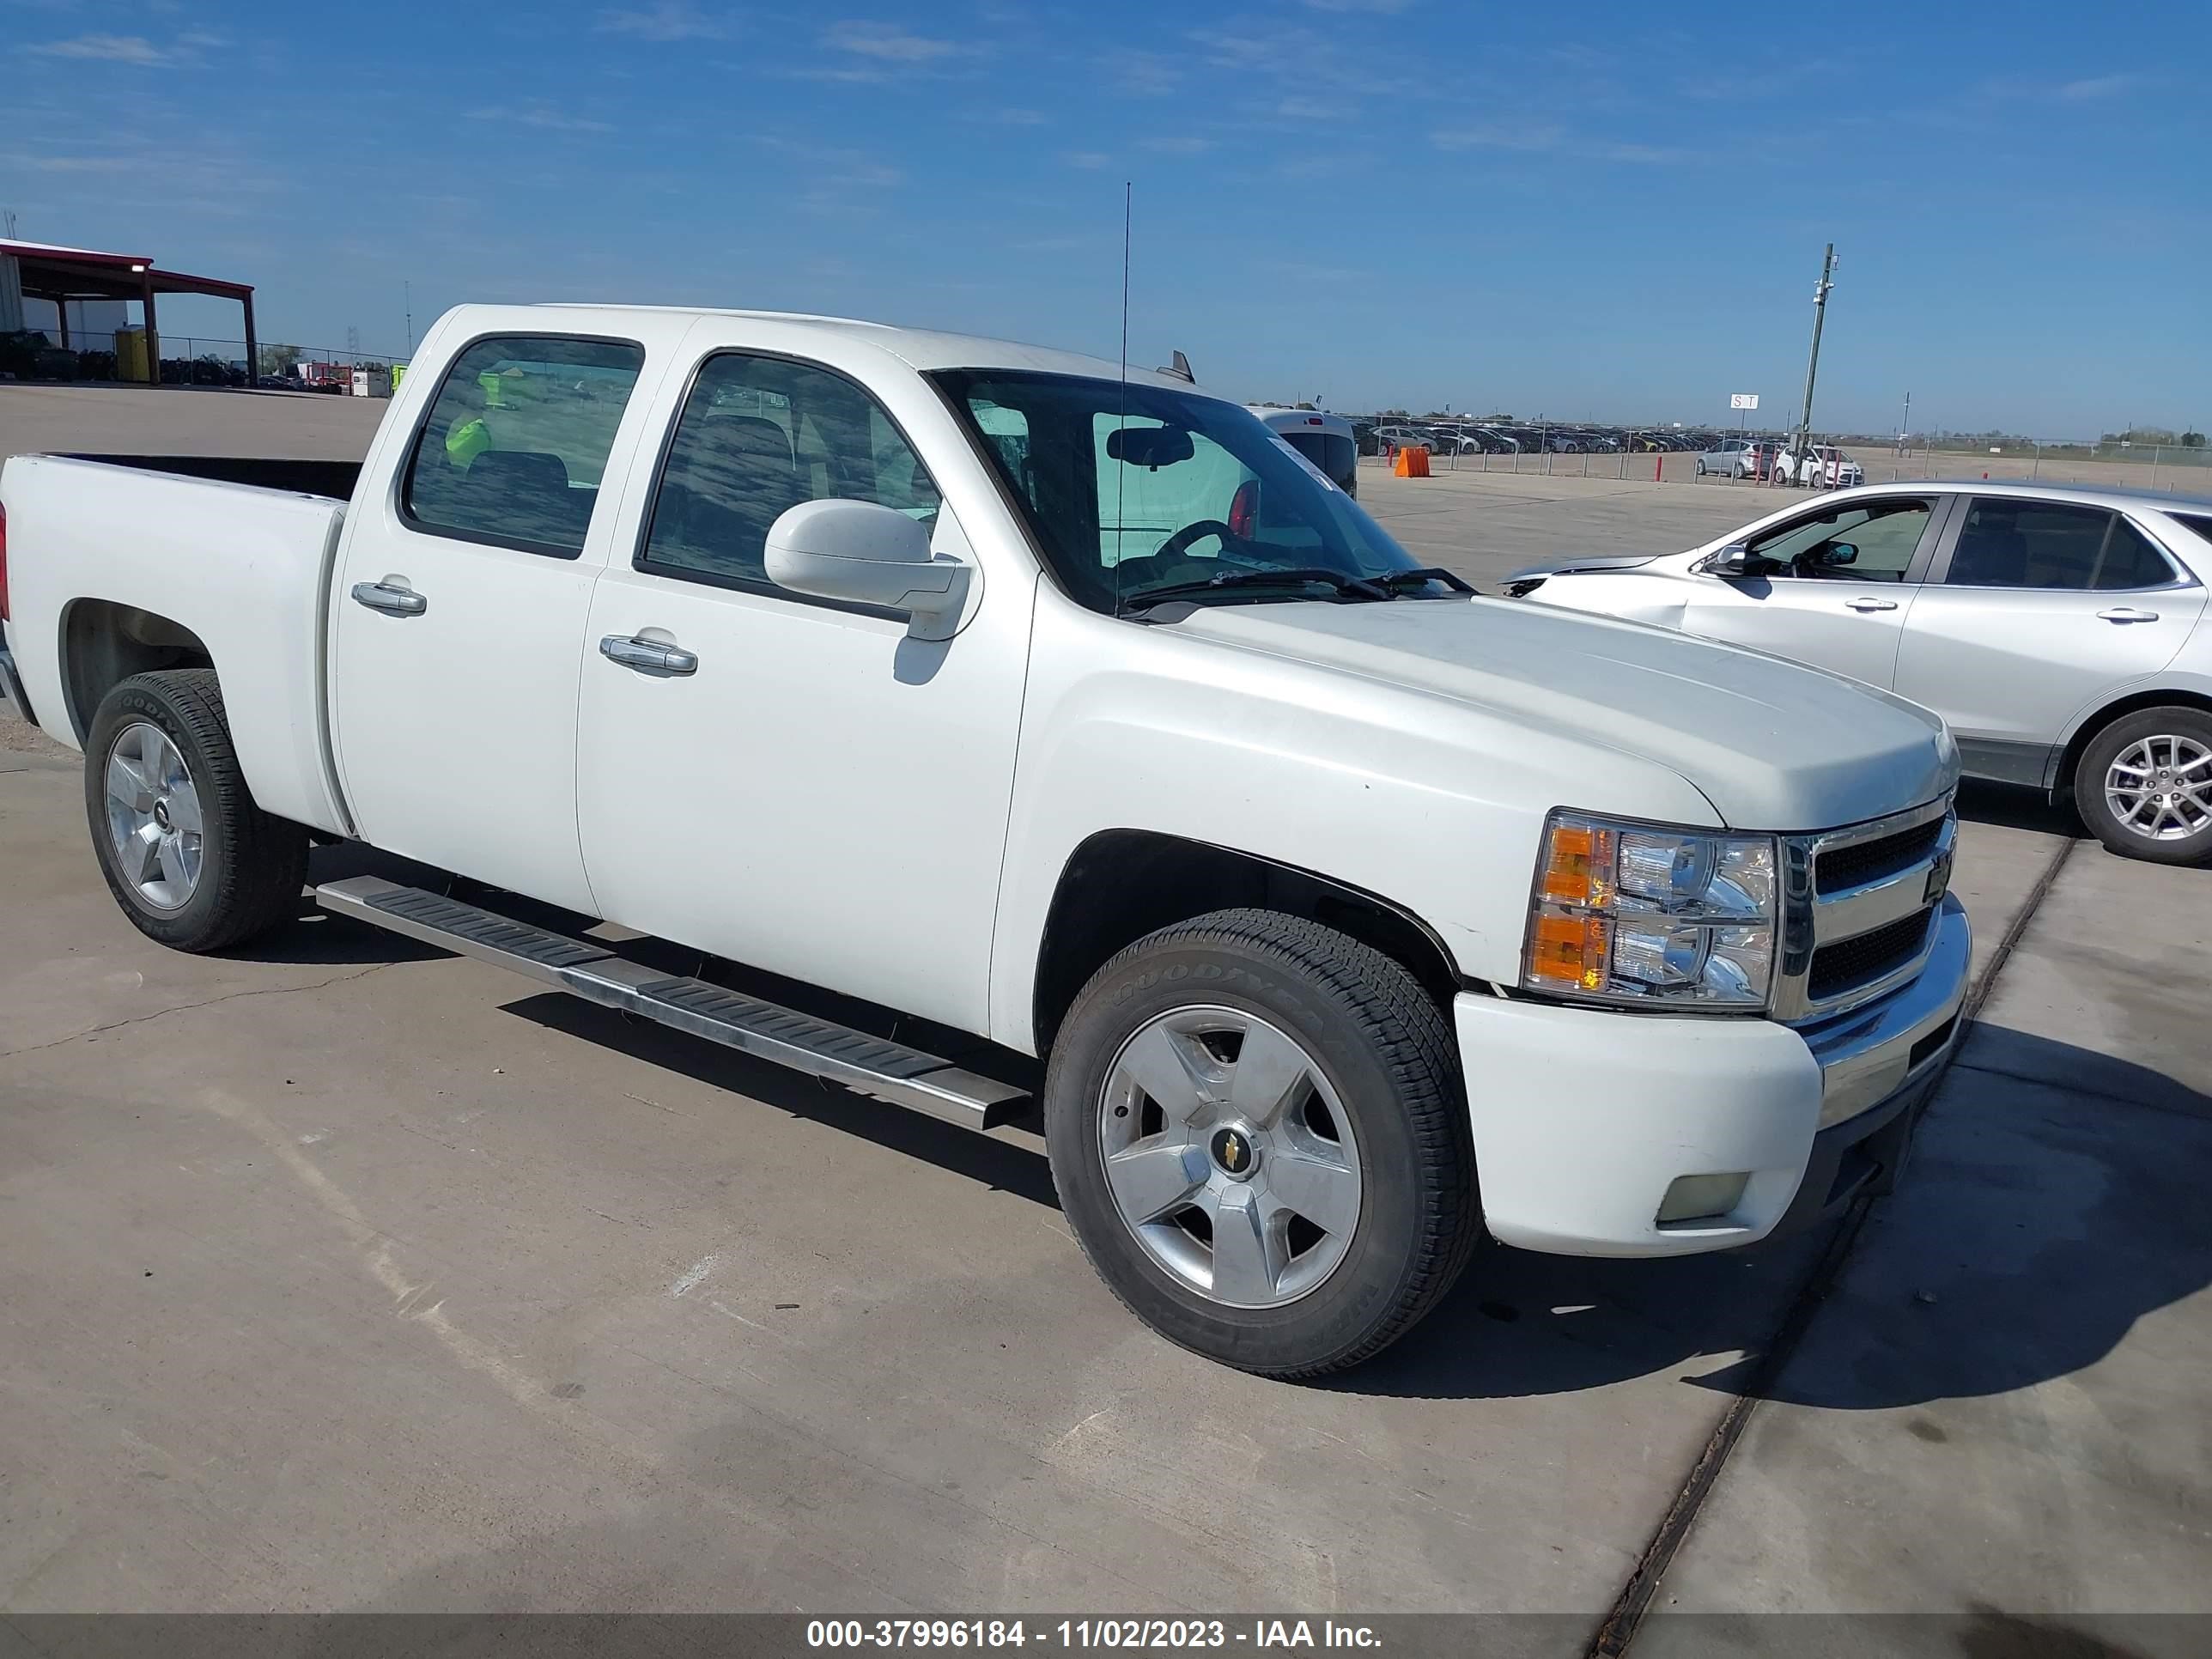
<point>1840,553</point>
<point>865,554</point>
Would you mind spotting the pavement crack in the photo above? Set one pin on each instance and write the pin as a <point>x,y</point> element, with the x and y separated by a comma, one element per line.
<point>1618,1630</point>
<point>187,1007</point>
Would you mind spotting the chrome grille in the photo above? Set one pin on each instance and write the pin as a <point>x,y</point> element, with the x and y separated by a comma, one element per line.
<point>1840,868</point>
<point>1855,909</point>
<point>1851,963</point>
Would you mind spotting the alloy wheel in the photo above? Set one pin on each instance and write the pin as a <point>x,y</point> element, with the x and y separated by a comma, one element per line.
<point>1229,1156</point>
<point>154,818</point>
<point>2160,787</point>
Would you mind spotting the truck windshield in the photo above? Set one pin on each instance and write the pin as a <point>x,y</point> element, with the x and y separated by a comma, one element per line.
<point>1180,489</point>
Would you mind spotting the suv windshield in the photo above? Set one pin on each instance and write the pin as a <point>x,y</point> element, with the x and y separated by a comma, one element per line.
<point>1182,489</point>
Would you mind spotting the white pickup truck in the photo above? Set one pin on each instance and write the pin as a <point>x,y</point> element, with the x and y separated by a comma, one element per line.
<point>1351,914</point>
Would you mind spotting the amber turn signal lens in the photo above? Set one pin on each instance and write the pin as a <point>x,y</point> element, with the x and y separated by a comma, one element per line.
<point>1569,950</point>
<point>1577,863</point>
<point>1567,867</point>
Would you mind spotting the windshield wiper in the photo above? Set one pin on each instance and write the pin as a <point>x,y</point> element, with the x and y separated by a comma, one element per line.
<point>1399,579</point>
<point>1346,587</point>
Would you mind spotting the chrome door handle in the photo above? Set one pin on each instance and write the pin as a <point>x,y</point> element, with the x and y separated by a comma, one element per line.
<point>1871,604</point>
<point>393,601</point>
<point>648,655</point>
<point>2127,613</point>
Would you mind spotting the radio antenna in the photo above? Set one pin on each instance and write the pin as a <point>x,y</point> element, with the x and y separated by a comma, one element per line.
<point>1121,467</point>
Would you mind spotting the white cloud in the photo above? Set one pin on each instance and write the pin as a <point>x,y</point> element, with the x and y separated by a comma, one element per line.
<point>542,116</point>
<point>1177,146</point>
<point>1088,159</point>
<point>1143,74</point>
<point>1385,6</point>
<point>833,171</point>
<point>887,42</point>
<point>1548,138</point>
<point>2100,86</point>
<point>665,20</point>
<point>108,49</point>
<point>1492,135</point>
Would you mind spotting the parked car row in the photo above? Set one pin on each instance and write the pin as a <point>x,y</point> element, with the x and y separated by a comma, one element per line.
<point>1768,460</point>
<point>1512,438</point>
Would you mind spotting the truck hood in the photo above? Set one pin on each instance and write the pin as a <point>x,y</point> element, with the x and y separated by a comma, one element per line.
<point>1773,744</point>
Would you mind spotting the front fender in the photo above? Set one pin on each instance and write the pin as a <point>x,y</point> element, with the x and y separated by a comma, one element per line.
<point>1431,805</point>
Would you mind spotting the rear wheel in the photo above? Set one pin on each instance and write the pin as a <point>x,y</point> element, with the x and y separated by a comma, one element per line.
<point>2143,786</point>
<point>1259,1136</point>
<point>1701,469</point>
<point>193,862</point>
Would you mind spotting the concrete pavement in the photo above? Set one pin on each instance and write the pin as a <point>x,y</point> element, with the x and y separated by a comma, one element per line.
<point>2001,1405</point>
<point>340,1274</point>
<point>344,1275</point>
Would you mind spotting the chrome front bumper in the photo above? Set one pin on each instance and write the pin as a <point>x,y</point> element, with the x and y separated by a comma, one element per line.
<point>12,694</point>
<point>1877,1051</point>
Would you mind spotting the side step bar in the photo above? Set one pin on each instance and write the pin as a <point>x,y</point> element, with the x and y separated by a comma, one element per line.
<point>872,1066</point>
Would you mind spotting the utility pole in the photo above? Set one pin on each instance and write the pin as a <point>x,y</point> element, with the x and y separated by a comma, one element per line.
<point>1803,445</point>
<point>407,291</point>
<point>1904,431</point>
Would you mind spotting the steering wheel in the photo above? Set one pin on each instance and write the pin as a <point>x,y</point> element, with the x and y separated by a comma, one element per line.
<point>1179,544</point>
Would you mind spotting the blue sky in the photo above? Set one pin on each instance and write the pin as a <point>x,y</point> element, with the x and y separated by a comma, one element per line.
<point>1588,210</point>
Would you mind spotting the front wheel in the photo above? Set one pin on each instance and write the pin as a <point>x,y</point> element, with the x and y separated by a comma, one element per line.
<point>1701,469</point>
<point>193,862</point>
<point>2143,786</point>
<point>1259,1135</point>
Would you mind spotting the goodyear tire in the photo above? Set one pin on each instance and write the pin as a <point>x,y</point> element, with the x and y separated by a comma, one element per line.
<point>1259,1135</point>
<point>193,862</point>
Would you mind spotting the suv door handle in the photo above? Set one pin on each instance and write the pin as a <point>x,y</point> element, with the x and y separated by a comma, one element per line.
<point>2127,613</point>
<point>1870,604</point>
<point>648,656</point>
<point>393,601</point>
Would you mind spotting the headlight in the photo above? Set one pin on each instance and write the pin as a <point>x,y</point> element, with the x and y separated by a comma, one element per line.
<point>1626,912</point>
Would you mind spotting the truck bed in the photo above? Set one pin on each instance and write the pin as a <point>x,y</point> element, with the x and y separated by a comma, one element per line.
<point>333,478</point>
<point>120,563</point>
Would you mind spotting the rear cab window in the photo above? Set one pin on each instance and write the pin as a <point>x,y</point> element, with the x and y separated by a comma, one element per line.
<point>1336,455</point>
<point>517,440</point>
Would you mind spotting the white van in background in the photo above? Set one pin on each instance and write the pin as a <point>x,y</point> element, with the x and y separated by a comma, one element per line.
<point>1325,440</point>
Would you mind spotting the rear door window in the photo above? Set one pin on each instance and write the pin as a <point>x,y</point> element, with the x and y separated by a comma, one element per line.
<point>2054,547</point>
<point>517,442</point>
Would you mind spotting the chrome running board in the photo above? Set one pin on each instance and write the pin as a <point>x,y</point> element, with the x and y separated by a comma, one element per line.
<point>887,1071</point>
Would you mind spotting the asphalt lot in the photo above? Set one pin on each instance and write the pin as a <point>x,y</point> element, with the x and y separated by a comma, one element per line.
<point>341,1273</point>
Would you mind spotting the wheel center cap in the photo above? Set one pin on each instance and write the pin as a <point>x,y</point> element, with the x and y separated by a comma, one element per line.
<point>161,815</point>
<point>1233,1152</point>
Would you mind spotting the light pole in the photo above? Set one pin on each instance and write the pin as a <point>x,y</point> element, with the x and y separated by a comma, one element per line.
<point>1802,447</point>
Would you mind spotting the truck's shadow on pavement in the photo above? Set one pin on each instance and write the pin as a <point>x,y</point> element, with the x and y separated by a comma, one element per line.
<point>2054,1195</point>
<point>2014,806</point>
